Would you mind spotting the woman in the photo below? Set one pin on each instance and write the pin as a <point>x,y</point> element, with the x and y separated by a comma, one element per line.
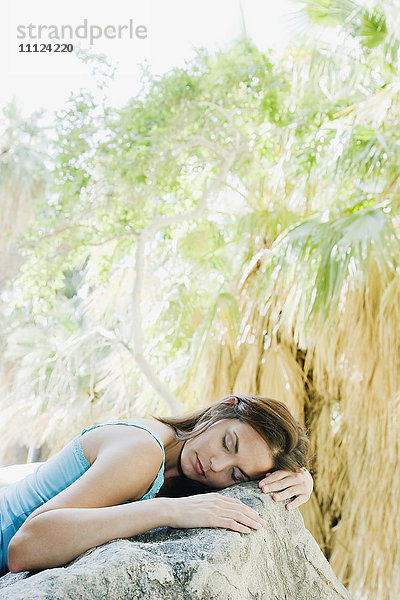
<point>84,495</point>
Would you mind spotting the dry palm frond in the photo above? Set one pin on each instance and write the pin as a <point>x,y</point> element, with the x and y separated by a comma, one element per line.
<point>281,377</point>
<point>247,371</point>
<point>365,380</point>
<point>213,380</point>
<point>347,388</point>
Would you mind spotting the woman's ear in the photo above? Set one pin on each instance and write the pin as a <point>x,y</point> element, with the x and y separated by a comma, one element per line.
<point>232,400</point>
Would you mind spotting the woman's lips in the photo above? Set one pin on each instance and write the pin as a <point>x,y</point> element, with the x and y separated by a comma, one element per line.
<point>198,466</point>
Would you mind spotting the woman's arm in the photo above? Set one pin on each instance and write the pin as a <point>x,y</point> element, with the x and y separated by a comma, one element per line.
<point>121,471</point>
<point>57,536</point>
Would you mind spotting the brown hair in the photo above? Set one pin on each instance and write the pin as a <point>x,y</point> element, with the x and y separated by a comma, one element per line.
<point>272,420</point>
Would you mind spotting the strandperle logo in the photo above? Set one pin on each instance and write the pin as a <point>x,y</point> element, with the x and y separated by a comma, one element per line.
<point>85,31</point>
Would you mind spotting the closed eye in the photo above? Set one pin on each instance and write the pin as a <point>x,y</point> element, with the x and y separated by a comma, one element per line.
<point>235,479</point>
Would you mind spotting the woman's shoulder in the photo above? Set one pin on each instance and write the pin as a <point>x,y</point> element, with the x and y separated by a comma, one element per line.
<point>164,432</point>
<point>98,438</point>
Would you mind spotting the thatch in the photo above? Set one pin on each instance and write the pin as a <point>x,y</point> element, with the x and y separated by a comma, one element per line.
<point>345,382</point>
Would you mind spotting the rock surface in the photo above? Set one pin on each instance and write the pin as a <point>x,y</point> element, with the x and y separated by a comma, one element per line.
<point>282,561</point>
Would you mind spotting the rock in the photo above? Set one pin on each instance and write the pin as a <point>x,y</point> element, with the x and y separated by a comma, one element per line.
<point>282,561</point>
<point>13,473</point>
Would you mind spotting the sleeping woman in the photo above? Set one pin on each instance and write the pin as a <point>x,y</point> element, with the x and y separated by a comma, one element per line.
<point>122,478</point>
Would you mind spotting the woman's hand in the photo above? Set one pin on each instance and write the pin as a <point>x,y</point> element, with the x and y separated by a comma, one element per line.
<point>290,484</point>
<point>213,510</point>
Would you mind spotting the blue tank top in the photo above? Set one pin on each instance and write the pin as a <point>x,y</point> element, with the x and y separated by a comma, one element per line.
<point>20,499</point>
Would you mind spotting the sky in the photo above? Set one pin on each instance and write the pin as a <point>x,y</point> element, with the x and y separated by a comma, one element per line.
<point>169,32</point>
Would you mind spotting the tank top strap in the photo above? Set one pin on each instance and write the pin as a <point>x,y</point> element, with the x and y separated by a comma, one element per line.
<point>159,480</point>
<point>130,422</point>
<point>146,428</point>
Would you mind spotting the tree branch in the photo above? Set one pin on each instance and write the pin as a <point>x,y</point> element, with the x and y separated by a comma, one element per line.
<point>145,236</point>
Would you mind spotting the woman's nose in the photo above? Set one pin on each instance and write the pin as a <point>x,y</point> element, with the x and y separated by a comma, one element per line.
<point>219,463</point>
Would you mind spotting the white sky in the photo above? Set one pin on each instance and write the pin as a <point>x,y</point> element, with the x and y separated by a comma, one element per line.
<point>175,28</point>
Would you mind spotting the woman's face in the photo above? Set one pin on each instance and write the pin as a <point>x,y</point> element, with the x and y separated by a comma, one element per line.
<point>228,452</point>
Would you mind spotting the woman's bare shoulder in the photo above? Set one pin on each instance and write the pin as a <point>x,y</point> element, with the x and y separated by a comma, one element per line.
<point>97,439</point>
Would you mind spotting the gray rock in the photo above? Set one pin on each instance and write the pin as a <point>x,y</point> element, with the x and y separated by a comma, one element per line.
<point>282,561</point>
